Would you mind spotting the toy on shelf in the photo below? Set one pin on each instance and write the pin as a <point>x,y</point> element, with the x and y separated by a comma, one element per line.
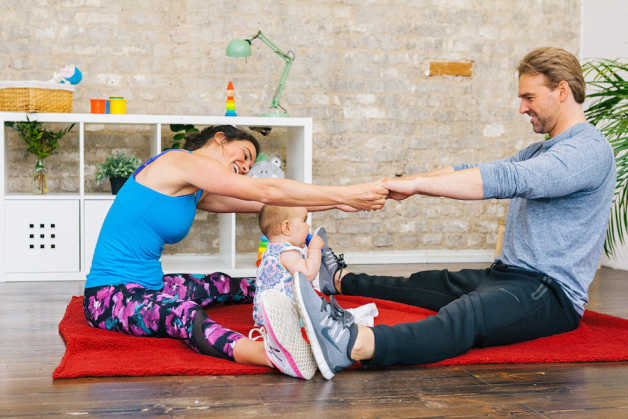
<point>68,74</point>
<point>230,105</point>
<point>263,244</point>
<point>267,167</point>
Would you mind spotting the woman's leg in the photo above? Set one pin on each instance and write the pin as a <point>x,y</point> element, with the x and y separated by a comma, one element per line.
<point>216,287</point>
<point>137,311</point>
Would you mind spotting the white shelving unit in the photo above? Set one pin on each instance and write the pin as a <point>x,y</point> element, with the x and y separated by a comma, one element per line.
<point>52,236</point>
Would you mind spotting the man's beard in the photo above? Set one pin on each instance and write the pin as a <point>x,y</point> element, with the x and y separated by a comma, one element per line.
<point>538,124</point>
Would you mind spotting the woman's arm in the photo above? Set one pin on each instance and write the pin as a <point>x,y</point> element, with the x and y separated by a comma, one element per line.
<point>209,175</point>
<point>220,203</point>
<point>225,204</point>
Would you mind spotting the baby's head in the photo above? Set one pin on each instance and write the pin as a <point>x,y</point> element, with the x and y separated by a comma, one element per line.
<point>284,224</point>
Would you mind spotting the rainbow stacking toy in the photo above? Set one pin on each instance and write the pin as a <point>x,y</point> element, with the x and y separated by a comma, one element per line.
<point>263,242</point>
<point>230,106</point>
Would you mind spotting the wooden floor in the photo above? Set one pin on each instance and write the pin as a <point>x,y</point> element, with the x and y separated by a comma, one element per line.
<point>30,349</point>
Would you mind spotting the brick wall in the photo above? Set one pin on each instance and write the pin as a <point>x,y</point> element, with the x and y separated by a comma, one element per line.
<point>365,71</point>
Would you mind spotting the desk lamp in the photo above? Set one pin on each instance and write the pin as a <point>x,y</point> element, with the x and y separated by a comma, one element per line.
<point>241,48</point>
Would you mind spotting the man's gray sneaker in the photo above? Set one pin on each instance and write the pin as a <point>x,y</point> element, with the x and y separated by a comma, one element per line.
<point>330,329</point>
<point>330,264</point>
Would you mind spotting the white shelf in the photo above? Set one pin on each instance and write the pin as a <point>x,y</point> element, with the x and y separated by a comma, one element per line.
<point>80,215</point>
<point>49,196</point>
<point>138,119</point>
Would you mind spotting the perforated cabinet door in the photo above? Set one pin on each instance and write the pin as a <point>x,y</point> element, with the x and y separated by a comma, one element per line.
<point>95,213</point>
<point>42,235</point>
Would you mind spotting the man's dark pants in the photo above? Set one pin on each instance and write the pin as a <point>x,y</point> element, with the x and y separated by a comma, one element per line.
<point>499,305</point>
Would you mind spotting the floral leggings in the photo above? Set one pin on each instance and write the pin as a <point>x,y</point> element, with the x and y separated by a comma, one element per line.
<point>176,311</point>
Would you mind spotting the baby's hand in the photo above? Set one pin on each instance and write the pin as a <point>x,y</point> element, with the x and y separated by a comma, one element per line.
<point>316,242</point>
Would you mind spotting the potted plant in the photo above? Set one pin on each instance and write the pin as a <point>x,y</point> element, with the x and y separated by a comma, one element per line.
<point>181,132</point>
<point>608,110</point>
<point>117,167</point>
<point>41,142</point>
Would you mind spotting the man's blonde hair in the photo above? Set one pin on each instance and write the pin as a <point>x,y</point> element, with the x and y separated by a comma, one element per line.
<point>270,218</point>
<point>556,65</point>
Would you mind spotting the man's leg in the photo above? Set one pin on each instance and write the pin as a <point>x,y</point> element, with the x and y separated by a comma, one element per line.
<point>509,307</point>
<point>429,289</point>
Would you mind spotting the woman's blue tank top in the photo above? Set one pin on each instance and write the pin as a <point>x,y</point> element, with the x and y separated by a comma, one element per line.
<point>132,237</point>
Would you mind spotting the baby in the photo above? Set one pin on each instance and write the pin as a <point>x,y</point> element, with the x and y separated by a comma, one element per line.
<point>287,231</point>
<point>274,313</point>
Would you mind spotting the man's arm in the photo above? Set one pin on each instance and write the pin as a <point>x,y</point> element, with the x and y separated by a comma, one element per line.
<point>437,172</point>
<point>461,184</point>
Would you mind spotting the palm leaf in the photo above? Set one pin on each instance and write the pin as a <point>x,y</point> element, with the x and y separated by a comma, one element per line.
<point>608,111</point>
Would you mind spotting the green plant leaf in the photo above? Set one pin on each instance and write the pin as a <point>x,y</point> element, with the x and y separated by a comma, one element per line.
<point>608,111</point>
<point>118,164</point>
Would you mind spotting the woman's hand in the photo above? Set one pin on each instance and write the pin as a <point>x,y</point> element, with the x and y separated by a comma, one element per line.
<point>368,196</point>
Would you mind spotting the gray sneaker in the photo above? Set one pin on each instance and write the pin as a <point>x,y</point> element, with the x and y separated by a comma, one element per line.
<point>330,264</point>
<point>330,329</point>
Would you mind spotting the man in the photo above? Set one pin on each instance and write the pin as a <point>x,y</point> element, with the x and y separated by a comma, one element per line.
<point>561,191</point>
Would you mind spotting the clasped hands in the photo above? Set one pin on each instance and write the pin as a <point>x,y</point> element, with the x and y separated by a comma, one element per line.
<point>372,196</point>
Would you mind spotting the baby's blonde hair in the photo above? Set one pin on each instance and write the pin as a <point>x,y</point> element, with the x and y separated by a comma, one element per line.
<point>270,218</point>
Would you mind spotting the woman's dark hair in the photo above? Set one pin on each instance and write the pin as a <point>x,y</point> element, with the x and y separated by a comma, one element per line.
<point>199,139</point>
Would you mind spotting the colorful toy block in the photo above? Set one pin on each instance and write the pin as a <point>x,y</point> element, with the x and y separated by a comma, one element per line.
<point>230,104</point>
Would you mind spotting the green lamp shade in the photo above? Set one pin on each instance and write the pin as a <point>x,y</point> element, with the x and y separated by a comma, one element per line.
<point>239,48</point>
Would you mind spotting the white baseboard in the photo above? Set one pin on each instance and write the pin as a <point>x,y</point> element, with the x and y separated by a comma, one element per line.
<point>419,256</point>
<point>620,260</point>
<point>245,263</point>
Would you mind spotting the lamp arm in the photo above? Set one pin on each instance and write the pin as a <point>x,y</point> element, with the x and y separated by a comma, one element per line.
<point>287,57</point>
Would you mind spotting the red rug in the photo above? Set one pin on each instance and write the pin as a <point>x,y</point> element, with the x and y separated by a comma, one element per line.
<point>100,353</point>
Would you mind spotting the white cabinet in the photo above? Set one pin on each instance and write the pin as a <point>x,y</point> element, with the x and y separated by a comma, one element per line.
<point>95,213</point>
<point>41,236</point>
<point>70,223</point>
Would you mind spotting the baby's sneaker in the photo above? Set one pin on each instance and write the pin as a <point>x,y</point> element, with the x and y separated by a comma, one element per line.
<point>285,346</point>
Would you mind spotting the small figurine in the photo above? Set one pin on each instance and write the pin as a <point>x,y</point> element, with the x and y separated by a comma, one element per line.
<point>230,105</point>
<point>68,74</point>
<point>265,167</point>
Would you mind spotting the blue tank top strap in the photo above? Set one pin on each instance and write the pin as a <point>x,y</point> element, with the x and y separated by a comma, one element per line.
<point>152,159</point>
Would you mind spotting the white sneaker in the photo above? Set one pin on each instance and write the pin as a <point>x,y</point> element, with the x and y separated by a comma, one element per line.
<point>285,346</point>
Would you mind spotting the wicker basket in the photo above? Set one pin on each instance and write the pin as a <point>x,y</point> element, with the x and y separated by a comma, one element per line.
<point>35,96</point>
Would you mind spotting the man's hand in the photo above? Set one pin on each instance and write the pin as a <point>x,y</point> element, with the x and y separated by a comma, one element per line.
<point>399,189</point>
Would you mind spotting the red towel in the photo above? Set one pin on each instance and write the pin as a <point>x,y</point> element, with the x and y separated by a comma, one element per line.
<point>97,353</point>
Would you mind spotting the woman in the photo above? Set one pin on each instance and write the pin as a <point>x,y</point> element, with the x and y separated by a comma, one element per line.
<point>126,290</point>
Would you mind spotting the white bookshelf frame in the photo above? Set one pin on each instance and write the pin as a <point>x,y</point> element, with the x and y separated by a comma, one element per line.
<point>299,156</point>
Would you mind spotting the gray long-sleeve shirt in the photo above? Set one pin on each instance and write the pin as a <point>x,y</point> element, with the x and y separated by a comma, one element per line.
<point>561,191</point>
